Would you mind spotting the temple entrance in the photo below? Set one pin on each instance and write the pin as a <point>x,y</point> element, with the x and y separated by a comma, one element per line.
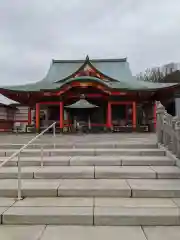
<point>53,113</point>
<point>122,116</point>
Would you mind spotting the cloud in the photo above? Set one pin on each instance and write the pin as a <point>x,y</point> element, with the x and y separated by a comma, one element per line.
<point>33,32</point>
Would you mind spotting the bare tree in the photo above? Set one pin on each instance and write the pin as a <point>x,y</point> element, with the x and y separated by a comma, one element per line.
<point>159,74</point>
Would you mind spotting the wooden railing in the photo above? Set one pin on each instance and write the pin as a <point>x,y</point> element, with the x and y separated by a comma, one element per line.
<point>168,130</point>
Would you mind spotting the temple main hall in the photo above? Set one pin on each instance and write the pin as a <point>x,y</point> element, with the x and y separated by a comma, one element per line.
<point>90,95</point>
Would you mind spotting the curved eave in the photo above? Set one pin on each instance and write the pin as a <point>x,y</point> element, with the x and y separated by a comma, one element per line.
<point>108,85</point>
<point>148,89</point>
<point>85,79</point>
<point>168,87</point>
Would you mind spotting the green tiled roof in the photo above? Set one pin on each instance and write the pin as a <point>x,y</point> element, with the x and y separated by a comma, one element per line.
<point>61,73</point>
<point>82,103</point>
<point>117,69</point>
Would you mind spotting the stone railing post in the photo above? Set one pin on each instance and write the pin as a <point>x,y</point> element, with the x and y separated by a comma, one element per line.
<point>160,111</point>
<point>177,136</point>
<point>173,135</point>
<point>168,130</point>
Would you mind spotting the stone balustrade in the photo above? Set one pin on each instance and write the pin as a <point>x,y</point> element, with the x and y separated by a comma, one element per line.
<point>168,130</point>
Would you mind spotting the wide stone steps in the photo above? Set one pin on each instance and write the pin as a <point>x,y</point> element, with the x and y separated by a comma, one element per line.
<point>91,211</point>
<point>105,184</point>
<point>92,161</point>
<point>87,152</point>
<point>92,172</point>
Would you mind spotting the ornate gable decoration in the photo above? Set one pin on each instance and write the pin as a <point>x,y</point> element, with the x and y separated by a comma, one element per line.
<point>88,71</point>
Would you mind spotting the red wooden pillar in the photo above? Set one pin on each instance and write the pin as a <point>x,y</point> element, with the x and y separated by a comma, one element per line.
<point>61,120</point>
<point>134,114</point>
<point>37,117</point>
<point>29,116</point>
<point>155,117</point>
<point>109,116</point>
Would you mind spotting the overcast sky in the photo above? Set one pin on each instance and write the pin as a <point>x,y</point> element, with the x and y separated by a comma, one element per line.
<point>32,32</point>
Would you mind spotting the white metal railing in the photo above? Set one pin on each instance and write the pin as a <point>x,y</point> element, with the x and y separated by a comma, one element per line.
<point>18,152</point>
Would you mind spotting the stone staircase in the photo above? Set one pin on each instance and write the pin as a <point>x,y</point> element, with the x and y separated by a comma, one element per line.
<point>131,183</point>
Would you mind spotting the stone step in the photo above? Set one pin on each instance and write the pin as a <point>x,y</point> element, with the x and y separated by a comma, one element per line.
<point>91,172</point>
<point>86,152</point>
<point>75,188</point>
<point>136,188</point>
<point>36,161</point>
<point>113,216</point>
<point>121,160</point>
<point>97,172</point>
<point>148,188</point>
<point>131,145</point>
<point>92,161</point>
<point>65,172</point>
<point>30,188</point>
<point>142,172</point>
<point>147,161</point>
<point>89,211</point>
<point>48,215</point>
<point>165,172</point>
<point>136,211</point>
<point>159,188</point>
<point>12,172</point>
<point>124,172</point>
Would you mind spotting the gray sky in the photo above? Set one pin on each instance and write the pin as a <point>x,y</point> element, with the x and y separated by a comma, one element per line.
<point>32,32</point>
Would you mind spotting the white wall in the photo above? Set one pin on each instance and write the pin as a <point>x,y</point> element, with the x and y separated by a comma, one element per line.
<point>21,113</point>
<point>3,113</point>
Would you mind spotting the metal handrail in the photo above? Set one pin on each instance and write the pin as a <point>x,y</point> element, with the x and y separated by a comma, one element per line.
<point>17,153</point>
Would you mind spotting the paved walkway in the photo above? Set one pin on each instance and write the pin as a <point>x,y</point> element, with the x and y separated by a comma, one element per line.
<point>88,233</point>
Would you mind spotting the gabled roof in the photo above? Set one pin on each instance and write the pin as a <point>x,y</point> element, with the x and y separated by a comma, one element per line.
<point>117,69</point>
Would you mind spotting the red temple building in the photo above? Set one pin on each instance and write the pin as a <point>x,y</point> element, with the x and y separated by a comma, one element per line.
<point>88,95</point>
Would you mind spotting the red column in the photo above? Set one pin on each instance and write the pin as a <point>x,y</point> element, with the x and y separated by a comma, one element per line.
<point>29,116</point>
<point>134,114</point>
<point>61,120</point>
<point>37,116</point>
<point>109,116</point>
<point>155,117</point>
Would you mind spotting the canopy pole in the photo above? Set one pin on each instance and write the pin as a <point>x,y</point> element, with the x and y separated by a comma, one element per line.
<point>89,122</point>
<point>134,115</point>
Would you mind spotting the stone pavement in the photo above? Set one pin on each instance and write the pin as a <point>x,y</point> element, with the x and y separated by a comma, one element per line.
<point>89,233</point>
